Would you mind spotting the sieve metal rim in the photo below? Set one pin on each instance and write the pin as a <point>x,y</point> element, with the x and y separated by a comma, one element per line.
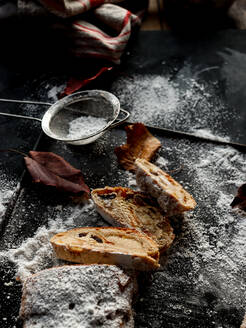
<point>77,96</point>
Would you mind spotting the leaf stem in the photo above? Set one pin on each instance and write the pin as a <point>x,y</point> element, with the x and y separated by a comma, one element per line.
<point>14,151</point>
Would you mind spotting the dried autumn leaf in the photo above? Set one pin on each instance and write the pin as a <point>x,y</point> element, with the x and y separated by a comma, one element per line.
<point>140,144</point>
<point>75,84</point>
<point>240,199</point>
<point>52,170</point>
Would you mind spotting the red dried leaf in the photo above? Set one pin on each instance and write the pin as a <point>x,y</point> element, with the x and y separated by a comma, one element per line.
<point>75,84</point>
<point>240,199</point>
<point>52,170</point>
<point>140,144</point>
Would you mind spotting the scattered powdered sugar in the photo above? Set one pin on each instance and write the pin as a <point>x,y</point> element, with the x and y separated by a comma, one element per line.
<point>219,162</point>
<point>47,92</point>
<point>36,254</point>
<point>84,126</point>
<point>207,134</point>
<point>131,180</point>
<point>183,102</point>
<point>7,190</point>
<point>54,91</point>
<point>5,196</point>
<point>162,163</point>
<point>147,95</point>
<point>214,234</point>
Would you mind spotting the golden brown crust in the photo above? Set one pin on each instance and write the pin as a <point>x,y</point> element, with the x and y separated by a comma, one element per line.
<point>107,245</point>
<point>122,206</point>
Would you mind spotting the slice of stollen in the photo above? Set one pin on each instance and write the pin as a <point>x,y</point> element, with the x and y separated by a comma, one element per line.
<point>128,248</point>
<point>75,296</point>
<point>133,209</point>
<point>170,195</point>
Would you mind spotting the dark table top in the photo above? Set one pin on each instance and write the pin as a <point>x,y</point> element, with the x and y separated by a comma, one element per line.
<point>188,85</point>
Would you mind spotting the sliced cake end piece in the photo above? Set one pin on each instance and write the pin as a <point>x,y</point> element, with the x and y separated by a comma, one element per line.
<point>170,195</point>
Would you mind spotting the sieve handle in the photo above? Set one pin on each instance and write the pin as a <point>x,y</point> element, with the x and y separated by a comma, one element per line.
<point>16,101</point>
<point>21,116</point>
<point>31,102</point>
<point>126,113</point>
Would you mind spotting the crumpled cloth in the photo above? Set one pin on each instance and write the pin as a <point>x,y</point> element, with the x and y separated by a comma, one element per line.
<point>96,28</point>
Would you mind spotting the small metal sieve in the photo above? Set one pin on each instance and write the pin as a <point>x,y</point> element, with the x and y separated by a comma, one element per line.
<point>57,119</point>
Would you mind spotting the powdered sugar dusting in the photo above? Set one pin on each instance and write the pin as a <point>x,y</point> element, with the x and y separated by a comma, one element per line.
<point>214,234</point>
<point>100,294</point>
<point>5,196</point>
<point>54,91</point>
<point>183,102</point>
<point>131,180</point>
<point>7,190</point>
<point>207,134</point>
<point>47,92</point>
<point>148,96</point>
<point>84,126</point>
<point>162,163</point>
<point>36,254</point>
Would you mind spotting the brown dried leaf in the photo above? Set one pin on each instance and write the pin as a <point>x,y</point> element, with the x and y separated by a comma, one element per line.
<point>52,170</point>
<point>140,144</point>
<point>240,199</point>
